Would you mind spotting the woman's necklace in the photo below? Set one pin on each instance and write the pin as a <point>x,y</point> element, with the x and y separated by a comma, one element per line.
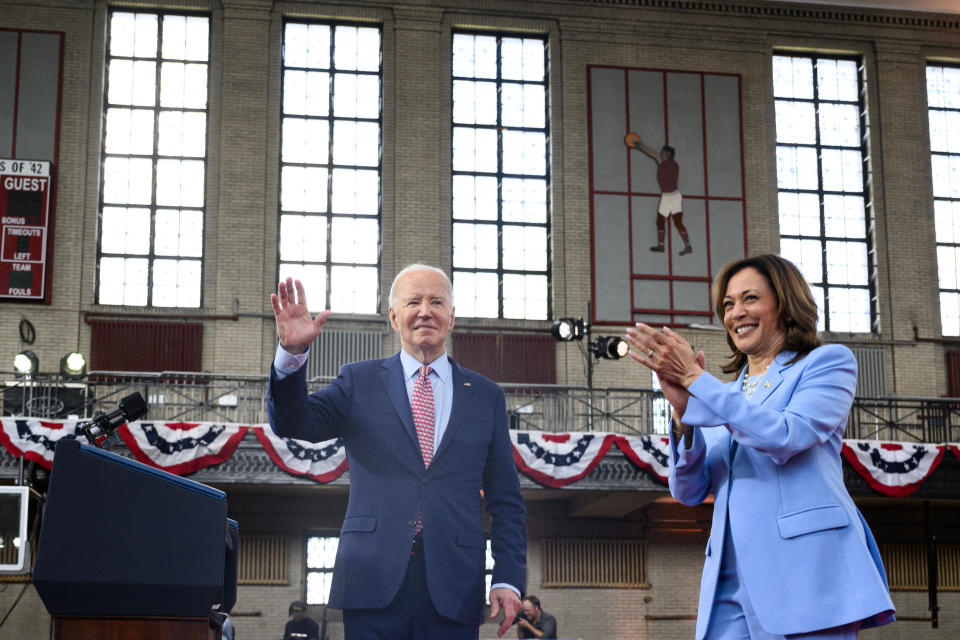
<point>752,383</point>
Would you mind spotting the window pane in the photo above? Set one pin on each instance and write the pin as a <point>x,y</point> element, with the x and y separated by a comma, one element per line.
<point>353,289</point>
<point>524,152</point>
<point>179,233</point>
<point>799,214</point>
<point>475,197</point>
<point>182,133</point>
<point>356,143</point>
<point>318,586</point>
<point>180,182</point>
<point>306,92</point>
<point>474,149</point>
<point>125,230</point>
<point>947,218</point>
<point>314,279</point>
<point>305,140</point>
<point>524,297</point>
<point>474,102</point>
<point>950,313</point>
<point>321,552</point>
<point>131,82</point>
<point>847,263</point>
<point>796,123</point>
<point>849,310</point>
<point>475,294</point>
<point>797,168</point>
<point>844,216</point>
<point>128,131</point>
<point>840,125</point>
<point>524,248</point>
<point>127,180</point>
<point>356,191</point>
<point>303,189</point>
<point>524,200</point>
<point>123,281</point>
<point>354,240</point>
<point>474,246</point>
<point>837,80</point>
<point>303,238</point>
<point>807,255</point>
<point>792,77</point>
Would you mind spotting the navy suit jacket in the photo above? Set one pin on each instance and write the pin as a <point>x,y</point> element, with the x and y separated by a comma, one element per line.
<point>804,553</point>
<point>367,406</point>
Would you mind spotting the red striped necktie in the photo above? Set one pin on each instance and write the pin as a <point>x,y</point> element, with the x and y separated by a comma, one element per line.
<point>422,406</point>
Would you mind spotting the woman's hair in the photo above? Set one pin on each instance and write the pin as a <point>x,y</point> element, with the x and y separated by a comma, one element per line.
<point>795,304</point>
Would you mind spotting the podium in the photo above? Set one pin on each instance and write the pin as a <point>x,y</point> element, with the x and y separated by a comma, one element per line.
<point>130,551</point>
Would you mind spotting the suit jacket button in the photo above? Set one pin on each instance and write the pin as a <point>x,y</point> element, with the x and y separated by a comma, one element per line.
<point>425,480</point>
<point>412,523</point>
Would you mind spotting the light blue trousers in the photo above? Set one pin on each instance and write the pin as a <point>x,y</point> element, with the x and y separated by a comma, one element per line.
<point>733,617</point>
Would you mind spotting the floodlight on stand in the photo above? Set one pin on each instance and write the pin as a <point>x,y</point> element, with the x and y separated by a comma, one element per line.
<point>25,364</point>
<point>73,365</point>
<point>567,329</point>
<point>610,347</point>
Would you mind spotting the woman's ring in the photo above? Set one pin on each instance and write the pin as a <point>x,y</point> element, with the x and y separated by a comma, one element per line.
<point>650,353</point>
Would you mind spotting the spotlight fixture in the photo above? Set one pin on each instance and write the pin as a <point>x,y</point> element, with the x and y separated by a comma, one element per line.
<point>610,347</point>
<point>73,365</point>
<point>567,329</point>
<point>25,364</point>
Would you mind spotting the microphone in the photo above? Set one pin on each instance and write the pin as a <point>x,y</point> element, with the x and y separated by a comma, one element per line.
<point>103,424</point>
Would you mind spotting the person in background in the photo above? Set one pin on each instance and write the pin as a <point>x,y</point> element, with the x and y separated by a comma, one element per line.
<point>789,554</point>
<point>534,622</point>
<point>300,627</point>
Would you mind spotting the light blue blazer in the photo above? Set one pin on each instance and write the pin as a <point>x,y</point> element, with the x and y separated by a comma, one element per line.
<point>805,555</point>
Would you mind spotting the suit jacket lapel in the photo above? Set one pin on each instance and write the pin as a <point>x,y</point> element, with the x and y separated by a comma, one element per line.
<point>462,392</point>
<point>393,382</point>
<point>774,375</point>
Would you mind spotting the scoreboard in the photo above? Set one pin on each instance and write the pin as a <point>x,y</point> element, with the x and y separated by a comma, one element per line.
<point>25,218</point>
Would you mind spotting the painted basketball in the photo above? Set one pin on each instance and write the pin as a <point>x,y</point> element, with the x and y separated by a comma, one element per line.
<point>631,140</point>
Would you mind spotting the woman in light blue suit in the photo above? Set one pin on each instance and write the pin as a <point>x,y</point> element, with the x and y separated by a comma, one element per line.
<point>789,554</point>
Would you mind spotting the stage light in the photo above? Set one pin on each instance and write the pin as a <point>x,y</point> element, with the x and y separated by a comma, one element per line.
<point>610,347</point>
<point>25,364</point>
<point>567,329</point>
<point>73,365</point>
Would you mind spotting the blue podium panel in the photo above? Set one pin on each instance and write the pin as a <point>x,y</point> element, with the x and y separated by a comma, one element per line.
<point>120,538</point>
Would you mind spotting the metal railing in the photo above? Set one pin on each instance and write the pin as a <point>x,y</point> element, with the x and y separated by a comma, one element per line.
<point>193,397</point>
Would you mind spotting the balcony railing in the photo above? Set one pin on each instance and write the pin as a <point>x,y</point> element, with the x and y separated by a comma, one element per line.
<point>192,397</point>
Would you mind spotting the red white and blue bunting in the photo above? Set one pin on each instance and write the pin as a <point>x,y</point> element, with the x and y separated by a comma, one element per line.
<point>182,447</point>
<point>558,459</point>
<point>34,439</point>
<point>893,468</point>
<point>321,461</point>
<point>650,452</point>
<point>552,459</point>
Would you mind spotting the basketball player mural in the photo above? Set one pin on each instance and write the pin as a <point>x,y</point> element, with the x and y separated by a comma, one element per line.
<point>668,171</point>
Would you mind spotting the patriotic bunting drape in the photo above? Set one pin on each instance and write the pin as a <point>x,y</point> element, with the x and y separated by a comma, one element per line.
<point>321,461</point>
<point>552,459</point>
<point>893,468</point>
<point>182,447</point>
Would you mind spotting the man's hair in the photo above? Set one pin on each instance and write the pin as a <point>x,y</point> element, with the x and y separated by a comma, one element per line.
<point>670,150</point>
<point>418,267</point>
<point>534,600</point>
<point>795,304</point>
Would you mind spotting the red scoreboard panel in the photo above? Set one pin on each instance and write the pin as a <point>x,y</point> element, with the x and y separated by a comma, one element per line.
<point>25,187</point>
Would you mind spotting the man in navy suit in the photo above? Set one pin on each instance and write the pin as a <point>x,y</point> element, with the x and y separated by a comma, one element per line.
<point>428,448</point>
